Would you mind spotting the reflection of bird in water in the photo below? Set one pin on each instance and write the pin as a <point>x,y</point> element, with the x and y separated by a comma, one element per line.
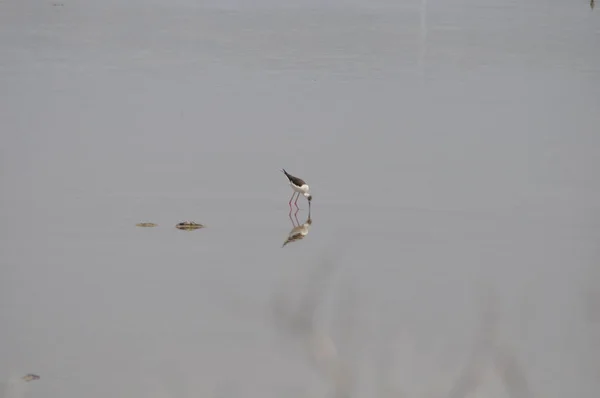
<point>592,4</point>
<point>300,230</point>
<point>30,377</point>
<point>299,186</point>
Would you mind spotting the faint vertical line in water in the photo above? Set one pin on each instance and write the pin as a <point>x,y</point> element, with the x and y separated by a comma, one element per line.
<point>422,35</point>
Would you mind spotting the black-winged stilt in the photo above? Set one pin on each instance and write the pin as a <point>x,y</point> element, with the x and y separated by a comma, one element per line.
<point>299,186</point>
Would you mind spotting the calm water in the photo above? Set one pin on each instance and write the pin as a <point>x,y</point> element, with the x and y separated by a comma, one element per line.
<point>452,151</point>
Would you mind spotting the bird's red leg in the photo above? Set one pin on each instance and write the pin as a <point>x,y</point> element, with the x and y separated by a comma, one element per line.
<point>296,202</point>
<point>292,198</point>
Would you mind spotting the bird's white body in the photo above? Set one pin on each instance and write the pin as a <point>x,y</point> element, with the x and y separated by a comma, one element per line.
<point>304,189</point>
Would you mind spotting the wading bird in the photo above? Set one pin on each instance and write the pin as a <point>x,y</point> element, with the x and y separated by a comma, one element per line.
<point>299,186</point>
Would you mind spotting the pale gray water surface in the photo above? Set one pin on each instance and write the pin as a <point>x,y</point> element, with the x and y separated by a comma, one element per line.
<point>452,150</point>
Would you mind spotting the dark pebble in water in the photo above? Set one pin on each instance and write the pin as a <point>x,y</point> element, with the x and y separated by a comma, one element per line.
<point>189,225</point>
<point>146,224</point>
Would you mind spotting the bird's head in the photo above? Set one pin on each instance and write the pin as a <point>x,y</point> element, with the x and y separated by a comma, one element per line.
<point>308,196</point>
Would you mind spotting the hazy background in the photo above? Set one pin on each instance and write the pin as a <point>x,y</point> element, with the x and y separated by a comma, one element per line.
<point>452,148</point>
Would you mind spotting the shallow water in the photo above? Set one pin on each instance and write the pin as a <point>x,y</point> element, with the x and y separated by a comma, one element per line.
<point>451,150</point>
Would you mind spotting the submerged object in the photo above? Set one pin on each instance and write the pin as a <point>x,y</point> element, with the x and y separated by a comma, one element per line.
<point>146,224</point>
<point>30,377</point>
<point>189,225</point>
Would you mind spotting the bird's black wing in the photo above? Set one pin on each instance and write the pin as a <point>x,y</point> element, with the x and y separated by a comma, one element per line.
<point>295,180</point>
